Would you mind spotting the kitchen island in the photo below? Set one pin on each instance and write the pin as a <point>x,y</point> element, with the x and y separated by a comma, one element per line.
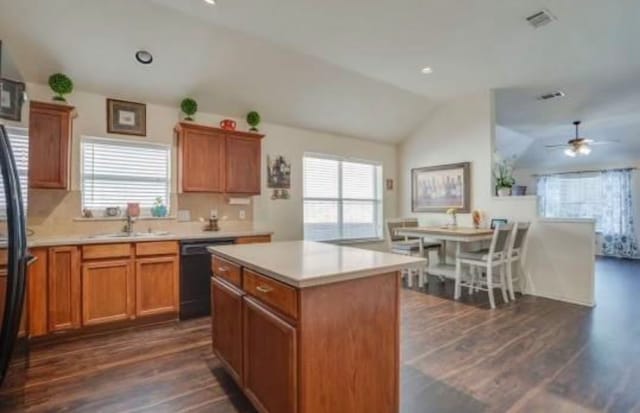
<point>306,327</point>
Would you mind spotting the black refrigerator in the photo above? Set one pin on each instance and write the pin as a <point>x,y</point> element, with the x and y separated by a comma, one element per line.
<point>13,247</point>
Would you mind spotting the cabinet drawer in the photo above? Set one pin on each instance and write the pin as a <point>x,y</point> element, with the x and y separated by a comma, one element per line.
<point>272,292</point>
<point>253,239</point>
<point>156,248</point>
<point>96,252</point>
<point>226,270</point>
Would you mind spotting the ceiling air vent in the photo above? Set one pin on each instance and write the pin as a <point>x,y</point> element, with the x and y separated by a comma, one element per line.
<point>551,95</point>
<point>541,18</point>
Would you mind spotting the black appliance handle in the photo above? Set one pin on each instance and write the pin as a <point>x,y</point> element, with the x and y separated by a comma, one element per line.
<point>16,254</point>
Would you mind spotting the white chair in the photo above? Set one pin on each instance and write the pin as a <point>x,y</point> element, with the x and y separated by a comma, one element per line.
<point>403,245</point>
<point>515,254</point>
<point>486,260</point>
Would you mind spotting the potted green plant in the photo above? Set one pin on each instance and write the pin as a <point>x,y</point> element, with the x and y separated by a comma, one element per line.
<point>189,107</point>
<point>253,119</point>
<point>159,209</point>
<point>62,85</point>
<point>503,174</point>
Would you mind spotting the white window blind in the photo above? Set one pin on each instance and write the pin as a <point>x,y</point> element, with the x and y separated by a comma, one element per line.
<point>19,140</point>
<point>116,172</point>
<point>342,199</point>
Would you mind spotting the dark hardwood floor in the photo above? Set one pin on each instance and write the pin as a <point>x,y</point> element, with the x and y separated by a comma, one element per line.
<point>535,355</point>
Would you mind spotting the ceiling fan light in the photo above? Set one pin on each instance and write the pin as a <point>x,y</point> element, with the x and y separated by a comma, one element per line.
<point>570,152</point>
<point>584,150</point>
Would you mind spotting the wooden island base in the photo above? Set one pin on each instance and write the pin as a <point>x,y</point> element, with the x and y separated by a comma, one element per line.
<point>323,349</point>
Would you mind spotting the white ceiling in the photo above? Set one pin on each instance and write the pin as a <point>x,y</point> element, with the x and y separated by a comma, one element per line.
<point>351,67</point>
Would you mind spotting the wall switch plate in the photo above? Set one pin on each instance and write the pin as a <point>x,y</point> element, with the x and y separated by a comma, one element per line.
<point>242,214</point>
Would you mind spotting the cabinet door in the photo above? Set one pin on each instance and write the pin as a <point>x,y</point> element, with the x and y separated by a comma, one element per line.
<point>37,293</point>
<point>243,165</point>
<point>157,285</point>
<point>50,128</point>
<point>226,326</point>
<point>202,160</point>
<point>269,359</point>
<point>107,291</point>
<point>64,288</point>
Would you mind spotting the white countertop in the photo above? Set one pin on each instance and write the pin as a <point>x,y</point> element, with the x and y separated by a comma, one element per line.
<point>307,264</point>
<point>50,241</point>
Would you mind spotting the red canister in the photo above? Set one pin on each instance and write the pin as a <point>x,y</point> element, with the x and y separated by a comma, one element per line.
<point>228,124</point>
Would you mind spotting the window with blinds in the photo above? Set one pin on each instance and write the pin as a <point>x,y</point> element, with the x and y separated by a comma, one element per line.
<point>19,141</point>
<point>116,172</point>
<point>342,199</point>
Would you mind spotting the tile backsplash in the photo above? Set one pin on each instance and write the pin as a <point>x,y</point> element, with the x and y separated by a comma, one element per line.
<point>57,212</point>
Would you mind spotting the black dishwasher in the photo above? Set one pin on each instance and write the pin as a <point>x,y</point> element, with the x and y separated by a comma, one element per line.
<point>195,277</point>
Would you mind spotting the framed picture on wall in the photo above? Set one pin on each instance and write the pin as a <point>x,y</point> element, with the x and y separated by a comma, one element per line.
<point>11,99</point>
<point>126,118</point>
<point>438,188</point>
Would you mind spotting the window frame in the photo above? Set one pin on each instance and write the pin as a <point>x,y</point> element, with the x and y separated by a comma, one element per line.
<point>145,212</point>
<point>378,201</point>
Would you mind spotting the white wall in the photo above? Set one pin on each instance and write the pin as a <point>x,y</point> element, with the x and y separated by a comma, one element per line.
<point>284,217</point>
<point>462,130</point>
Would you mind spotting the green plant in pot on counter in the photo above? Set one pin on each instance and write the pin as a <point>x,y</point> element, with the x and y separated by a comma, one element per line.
<point>159,209</point>
<point>503,174</point>
<point>62,85</point>
<point>253,119</point>
<point>189,107</point>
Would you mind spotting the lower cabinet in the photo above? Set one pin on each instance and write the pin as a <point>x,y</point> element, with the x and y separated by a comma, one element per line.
<point>226,326</point>
<point>157,280</point>
<point>269,359</point>
<point>64,293</point>
<point>107,291</point>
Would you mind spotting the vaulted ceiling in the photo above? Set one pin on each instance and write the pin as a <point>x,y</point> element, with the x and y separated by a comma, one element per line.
<point>345,66</point>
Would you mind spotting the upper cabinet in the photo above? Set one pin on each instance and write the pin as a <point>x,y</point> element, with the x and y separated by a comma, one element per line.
<point>50,130</point>
<point>218,160</point>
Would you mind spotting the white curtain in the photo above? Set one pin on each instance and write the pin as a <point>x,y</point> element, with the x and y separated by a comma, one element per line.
<point>605,196</point>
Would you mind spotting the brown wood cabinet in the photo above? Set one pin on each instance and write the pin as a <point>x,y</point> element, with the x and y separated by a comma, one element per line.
<point>226,326</point>
<point>270,365</point>
<point>201,158</point>
<point>243,165</point>
<point>253,239</point>
<point>157,285</point>
<point>64,295</point>
<point>37,294</point>
<point>50,131</point>
<point>217,160</point>
<point>107,291</point>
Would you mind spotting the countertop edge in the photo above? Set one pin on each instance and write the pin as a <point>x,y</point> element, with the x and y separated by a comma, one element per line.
<point>322,279</point>
<point>83,240</point>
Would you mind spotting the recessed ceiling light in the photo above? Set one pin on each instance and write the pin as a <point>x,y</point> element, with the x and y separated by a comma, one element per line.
<point>212,2</point>
<point>144,57</point>
<point>427,70</point>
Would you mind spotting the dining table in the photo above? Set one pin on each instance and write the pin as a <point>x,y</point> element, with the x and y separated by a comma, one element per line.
<point>443,234</point>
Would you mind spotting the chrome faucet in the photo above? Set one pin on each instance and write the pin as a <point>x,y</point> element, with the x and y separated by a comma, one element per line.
<point>128,226</point>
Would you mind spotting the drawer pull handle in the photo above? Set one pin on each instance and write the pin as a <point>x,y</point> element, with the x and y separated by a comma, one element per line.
<point>223,269</point>
<point>264,289</point>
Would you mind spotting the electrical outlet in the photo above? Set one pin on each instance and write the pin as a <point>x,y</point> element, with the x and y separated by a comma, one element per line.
<point>242,214</point>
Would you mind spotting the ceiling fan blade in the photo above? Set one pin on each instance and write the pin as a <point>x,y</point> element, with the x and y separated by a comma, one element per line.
<point>562,145</point>
<point>603,142</point>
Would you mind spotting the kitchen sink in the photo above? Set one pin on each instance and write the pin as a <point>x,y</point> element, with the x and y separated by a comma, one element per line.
<point>131,235</point>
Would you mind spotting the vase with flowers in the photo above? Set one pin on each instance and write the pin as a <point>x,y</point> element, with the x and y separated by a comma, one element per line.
<point>476,216</point>
<point>503,175</point>
<point>453,213</point>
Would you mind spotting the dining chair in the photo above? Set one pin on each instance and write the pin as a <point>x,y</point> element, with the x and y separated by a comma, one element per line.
<point>517,246</point>
<point>398,244</point>
<point>496,256</point>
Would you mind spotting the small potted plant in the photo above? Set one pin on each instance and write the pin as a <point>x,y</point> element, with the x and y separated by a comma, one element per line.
<point>189,107</point>
<point>503,173</point>
<point>159,209</point>
<point>253,119</point>
<point>453,213</point>
<point>61,85</point>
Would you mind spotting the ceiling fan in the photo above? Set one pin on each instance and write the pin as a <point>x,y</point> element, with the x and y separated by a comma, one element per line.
<point>577,145</point>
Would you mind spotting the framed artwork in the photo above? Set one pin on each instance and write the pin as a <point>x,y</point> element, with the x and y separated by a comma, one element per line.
<point>438,188</point>
<point>126,118</point>
<point>11,99</point>
<point>278,172</point>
